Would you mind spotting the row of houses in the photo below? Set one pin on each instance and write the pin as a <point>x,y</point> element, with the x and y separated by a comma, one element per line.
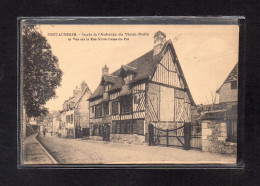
<point>73,119</point>
<point>151,88</point>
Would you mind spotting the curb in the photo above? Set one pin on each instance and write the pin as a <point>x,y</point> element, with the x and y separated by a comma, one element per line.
<point>48,154</point>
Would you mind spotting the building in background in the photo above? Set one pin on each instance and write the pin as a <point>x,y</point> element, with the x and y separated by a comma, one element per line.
<point>62,123</point>
<point>228,91</point>
<point>55,124</point>
<point>76,112</point>
<point>227,95</point>
<point>152,88</point>
<point>228,99</point>
<point>219,125</point>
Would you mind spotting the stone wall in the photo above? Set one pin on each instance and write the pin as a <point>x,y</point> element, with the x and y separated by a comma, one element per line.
<point>214,135</point>
<point>98,138</point>
<point>128,138</point>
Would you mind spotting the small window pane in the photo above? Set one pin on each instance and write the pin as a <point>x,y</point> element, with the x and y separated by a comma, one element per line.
<point>233,84</point>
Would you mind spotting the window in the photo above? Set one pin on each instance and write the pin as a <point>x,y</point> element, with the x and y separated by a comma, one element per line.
<point>233,84</point>
<point>95,130</point>
<point>128,78</point>
<point>125,127</point>
<point>71,118</point>
<point>92,112</point>
<point>126,105</point>
<point>98,113</point>
<point>115,107</point>
<point>107,87</point>
<point>139,102</point>
<point>106,108</point>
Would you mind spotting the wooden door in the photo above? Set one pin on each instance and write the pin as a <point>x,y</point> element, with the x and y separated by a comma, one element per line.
<point>106,132</point>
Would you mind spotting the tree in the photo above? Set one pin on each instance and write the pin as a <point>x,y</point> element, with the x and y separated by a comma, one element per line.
<point>41,74</point>
<point>213,98</point>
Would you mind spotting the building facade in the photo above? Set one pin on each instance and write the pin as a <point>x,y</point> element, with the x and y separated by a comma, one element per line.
<point>76,112</point>
<point>228,91</point>
<point>62,123</point>
<point>152,88</point>
<point>219,121</point>
<point>228,99</point>
<point>55,124</point>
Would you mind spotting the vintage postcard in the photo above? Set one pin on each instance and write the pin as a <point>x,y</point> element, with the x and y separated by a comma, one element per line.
<point>114,94</point>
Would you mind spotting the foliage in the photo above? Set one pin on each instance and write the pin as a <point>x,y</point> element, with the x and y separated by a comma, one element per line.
<point>41,74</point>
<point>30,130</point>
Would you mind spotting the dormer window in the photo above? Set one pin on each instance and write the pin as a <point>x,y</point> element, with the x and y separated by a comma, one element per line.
<point>128,78</point>
<point>68,107</point>
<point>127,73</point>
<point>107,87</point>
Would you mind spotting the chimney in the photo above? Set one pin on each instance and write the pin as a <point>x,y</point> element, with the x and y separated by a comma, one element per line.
<point>105,70</point>
<point>159,40</point>
<point>83,85</point>
<point>76,91</point>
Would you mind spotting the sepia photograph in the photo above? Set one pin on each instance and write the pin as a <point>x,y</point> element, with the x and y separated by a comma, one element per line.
<point>120,94</point>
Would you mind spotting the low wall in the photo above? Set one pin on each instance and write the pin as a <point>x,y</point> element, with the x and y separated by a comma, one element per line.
<point>214,135</point>
<point>128,138</point>
<point>98,138</point>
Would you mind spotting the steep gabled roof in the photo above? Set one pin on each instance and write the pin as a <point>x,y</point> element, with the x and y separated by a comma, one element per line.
<point>233,76</point>
<point>97,93</point>
<point>144,68</point>
<point>76,99</point>
<point>71,100</point>
<point>79,98</point>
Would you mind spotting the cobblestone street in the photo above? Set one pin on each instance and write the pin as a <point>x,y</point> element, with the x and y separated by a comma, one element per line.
<point>83,151</point>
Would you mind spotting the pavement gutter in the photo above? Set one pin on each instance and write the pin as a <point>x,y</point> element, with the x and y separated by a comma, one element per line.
<point>48,154</point>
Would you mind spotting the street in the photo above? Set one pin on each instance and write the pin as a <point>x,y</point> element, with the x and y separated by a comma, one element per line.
<point>83,151</point>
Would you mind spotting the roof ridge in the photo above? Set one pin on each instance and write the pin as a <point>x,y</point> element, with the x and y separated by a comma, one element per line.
<point>134,60</point>
<point>145,65</point>
<point>129,66</point>
<point>110,75</point>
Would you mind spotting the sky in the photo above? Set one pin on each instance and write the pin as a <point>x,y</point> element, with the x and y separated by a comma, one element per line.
<point>207,54</point>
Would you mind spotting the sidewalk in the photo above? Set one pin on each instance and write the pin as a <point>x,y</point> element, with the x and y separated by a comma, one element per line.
<point>34,152</point>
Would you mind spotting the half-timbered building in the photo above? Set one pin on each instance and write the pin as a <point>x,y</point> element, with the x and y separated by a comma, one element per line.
<point>151,88</point>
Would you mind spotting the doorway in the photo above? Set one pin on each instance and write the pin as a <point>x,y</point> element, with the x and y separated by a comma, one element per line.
<point>106,132</point>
